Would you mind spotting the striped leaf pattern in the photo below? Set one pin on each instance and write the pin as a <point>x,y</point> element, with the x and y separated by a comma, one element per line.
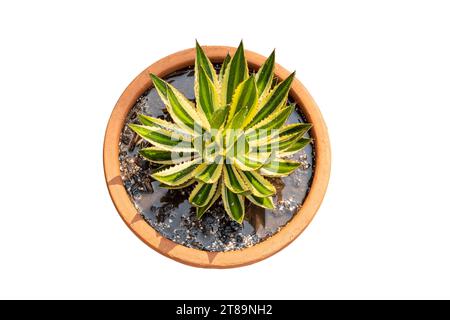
<point>228,142</point>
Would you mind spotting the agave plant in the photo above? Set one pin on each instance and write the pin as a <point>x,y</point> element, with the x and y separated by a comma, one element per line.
<point>230,139</point>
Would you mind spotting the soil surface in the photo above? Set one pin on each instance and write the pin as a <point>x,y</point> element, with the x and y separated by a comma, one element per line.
<point>169,211</point>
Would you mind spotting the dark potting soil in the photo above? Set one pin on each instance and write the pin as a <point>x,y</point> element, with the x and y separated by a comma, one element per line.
<point>169,211</point>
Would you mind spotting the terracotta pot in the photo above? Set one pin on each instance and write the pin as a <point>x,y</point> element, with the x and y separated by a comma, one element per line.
<point>197,257</point>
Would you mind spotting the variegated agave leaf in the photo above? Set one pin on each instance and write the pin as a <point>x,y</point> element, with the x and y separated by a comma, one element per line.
<point>230,139</point>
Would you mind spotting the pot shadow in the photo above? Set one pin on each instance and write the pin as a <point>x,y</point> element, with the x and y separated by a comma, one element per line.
<point>137,217</point>
<point>166,245</point>
<point>115,181</point>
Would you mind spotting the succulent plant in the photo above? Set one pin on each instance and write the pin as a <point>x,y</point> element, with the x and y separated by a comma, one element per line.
<point>230,140</point>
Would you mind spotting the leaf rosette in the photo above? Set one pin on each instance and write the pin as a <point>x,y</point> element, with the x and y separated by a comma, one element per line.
<point>230,140</point>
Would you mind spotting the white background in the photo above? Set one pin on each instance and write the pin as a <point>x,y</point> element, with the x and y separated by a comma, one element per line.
<point>379,70</point>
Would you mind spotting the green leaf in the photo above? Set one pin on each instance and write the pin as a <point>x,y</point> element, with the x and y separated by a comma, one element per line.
<point>233,180</point>
<point>178,174</point>
<point>182,112</point>
<point>202,210</point>
<point>279,140</point>
<point>161,168</point>
<point>202,194</point>
<point>235,73</point>
<point>161,87</point>
<point>295,128</point>
<point>202,61</point>
<point>179,107</point>
<point>259,186</point>
<point>233,204</point>
<point>250,161</point>
<point>163,139</point>
<point>157,155</point>
<point>245,95</point>
<point>155,122</point>
<point>225,63</point>
<point>234,132</point>
<point>265,202</point>
<point>264,76</point>
<point>235,144</point>
<point>211,151</point>
<point>274,142</point>
<point>210,172</point>
<point>279,167</point>
<point>208,98</point>
<point>238,119</point>
<point>282,139</point>
<point>219,117</point>
<point>274,100</point>
<point>275,145</point>
<point>294,147</point>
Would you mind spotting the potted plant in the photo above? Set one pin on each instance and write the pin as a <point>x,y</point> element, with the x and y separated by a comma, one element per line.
<point>216,156</point>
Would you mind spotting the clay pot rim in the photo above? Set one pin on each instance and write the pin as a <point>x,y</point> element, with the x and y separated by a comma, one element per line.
<point>195,257</point>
